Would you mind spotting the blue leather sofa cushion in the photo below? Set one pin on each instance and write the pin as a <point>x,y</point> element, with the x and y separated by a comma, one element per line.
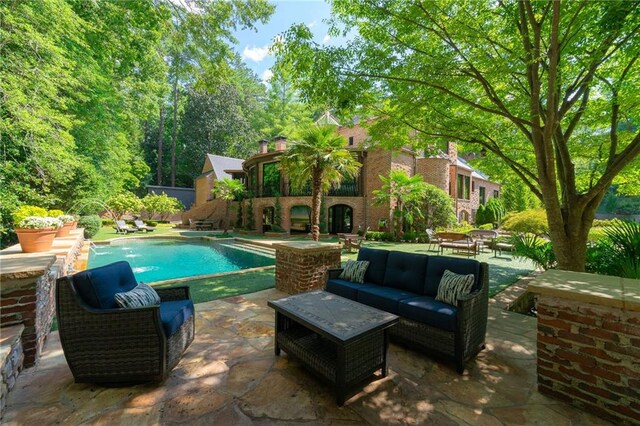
<point>384,298</point>
<point>377,264</point>
<point>429,311</point>
<point>174,313</point>
<point>438,264</point>
<point>345,288</point>
<point>98,286</point>
<point>406,271</point>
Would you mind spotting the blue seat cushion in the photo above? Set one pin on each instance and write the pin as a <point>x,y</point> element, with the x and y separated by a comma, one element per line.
<point>174,313</point>
<point>384,298</point>
<point>406,271</point>
<point>438,264</point>
<point>98,286</point>
<point>377,264</point>
<point>345,288</point>
<point>428,310</point>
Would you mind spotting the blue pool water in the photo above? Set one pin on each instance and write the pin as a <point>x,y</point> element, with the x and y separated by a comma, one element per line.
<point>163,259</point>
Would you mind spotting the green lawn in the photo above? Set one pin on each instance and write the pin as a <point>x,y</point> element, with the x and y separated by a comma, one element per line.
<point>108,232</point>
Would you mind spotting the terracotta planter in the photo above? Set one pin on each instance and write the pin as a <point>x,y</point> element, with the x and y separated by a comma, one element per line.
<point>36,240</point>
<point>66,228</point>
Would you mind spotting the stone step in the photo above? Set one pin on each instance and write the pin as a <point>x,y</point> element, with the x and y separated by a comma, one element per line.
<point>250,248</point>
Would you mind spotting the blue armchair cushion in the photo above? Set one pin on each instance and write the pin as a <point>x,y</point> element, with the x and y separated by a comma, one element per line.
<point>384,298</point>
<point>140,296</point>
<point>406,271</point>
<point>98,286</point>
<point>438,264</point>
<point>377,264</point>
<point>174,313</point>
<point>427,310</point>
<point>354,270</point>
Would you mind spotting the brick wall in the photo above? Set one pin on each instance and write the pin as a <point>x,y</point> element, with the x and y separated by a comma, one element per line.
<point>302,266</point>
<point>434,171</point>
<point>588,355</point>
<point>377,163</point>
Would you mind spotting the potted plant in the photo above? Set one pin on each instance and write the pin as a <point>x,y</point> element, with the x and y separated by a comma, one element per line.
<point>69,222</point>
<point>36,233</point>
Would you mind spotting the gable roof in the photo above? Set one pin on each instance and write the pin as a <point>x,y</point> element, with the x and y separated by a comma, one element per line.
<point>220,164</point>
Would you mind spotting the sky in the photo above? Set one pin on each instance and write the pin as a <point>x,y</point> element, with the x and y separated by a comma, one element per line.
<point>253,46</point>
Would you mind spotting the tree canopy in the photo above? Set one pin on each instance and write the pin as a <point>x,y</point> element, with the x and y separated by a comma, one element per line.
<point>547,87</point>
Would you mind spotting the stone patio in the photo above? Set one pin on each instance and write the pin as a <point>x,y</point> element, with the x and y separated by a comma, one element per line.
<point>230,376</point>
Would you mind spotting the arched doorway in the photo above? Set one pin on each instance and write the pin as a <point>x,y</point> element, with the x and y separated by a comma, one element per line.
<point>464,216</point>
<point>300,219</point>
<point>340,219</point>
<point>268,214</point>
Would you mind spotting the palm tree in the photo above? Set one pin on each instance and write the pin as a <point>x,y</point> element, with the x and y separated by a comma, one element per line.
<point>319,158</point>
<point>227,190</point>
<point>404,194</point>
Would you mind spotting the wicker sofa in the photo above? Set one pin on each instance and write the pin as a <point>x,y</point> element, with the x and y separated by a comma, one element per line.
<point>107,344</point>
<point>406,284</point>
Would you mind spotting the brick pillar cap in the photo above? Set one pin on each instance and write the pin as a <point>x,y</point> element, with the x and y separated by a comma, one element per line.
<point>307,246</point>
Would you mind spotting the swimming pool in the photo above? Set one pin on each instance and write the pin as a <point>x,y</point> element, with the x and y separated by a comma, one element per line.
<point>155,259</point>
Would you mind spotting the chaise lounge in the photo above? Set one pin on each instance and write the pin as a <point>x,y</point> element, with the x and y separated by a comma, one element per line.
<point>406,285</point>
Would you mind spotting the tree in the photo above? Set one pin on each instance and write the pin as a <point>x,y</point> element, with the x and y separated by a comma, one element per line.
<point>404,195</point>
<point>547,87</point>
<point>437,208</point>
<point>319,158</point>
<point>228,190</point>
<point>161,205</point>
<point>124,203</point>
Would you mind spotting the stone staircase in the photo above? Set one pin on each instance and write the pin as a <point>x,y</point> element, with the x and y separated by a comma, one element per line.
<point>251,247</point>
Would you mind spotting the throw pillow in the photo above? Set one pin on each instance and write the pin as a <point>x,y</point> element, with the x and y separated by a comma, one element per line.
<point>454,285</point>
<point>354,270</point>
<point>140,296</point>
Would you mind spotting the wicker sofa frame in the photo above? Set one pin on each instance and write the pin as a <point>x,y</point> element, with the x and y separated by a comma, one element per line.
<point>119,346</point>
<point>458,346</point>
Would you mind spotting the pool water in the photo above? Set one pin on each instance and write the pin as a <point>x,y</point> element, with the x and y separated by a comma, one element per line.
<point>164,259</point>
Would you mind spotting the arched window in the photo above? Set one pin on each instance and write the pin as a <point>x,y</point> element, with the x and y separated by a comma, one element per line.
<point>268,214</point>
<point>464,216</point>
<point>300,219</point>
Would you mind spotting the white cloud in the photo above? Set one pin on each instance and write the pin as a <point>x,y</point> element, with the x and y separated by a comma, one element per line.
<point>326,39</point>
<point>256,54</point>
<point>266,75</point>
<point>312,24</point>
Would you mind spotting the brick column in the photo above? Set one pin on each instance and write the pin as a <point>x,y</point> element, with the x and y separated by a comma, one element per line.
<point>589,342</point>
<point>302,265</point>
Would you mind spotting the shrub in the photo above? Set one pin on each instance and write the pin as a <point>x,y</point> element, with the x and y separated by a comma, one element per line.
<point>410,237</point>
<point>486,226</point>
<point>91,225</point>
<point>374,235</point>
<point>494,211</point>
<point>108,222</point>
<point>528,221</point>
<point>151,222</point>
<point>538,250</point>
<point>25,211</point>
<point>55,213</point>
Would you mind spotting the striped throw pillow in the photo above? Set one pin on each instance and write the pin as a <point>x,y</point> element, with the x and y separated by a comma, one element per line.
<point>140,296</point>
<point>354,270</point>
<point>454,285</point>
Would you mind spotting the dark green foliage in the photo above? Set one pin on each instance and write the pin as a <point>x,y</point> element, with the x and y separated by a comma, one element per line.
<point>379,236</point>
<point>277,213</point>
<point>251,221</point>
<point>529,221</point>
<point>538,250</point>
<point>494,211</point>
<point>619,253</point>
<point>480,216</point>
<point>323,216</point>
<point>91,225</point>
<point>108,222</point>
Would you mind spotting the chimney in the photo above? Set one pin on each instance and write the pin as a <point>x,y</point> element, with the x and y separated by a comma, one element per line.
<point>452,152</point>
<point>281,143</point>
<point>263,146</point>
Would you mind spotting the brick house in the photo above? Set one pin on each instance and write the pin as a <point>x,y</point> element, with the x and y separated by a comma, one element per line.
<point>347,207</point>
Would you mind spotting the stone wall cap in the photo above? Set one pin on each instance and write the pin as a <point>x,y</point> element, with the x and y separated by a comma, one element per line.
<point>307,246</point>
<point>606,290</point>
<point>17,266</point>
<point>10,335</point>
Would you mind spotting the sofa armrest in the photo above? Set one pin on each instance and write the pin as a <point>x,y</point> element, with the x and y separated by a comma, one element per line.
<point>334,273</point>
<point>173,293</point>
<point>473,311</point>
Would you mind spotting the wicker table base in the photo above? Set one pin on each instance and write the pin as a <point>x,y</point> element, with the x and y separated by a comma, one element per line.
<point>315,329</point>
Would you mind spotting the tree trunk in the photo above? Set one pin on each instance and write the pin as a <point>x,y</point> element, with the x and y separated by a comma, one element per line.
<point>160,140</point>
<point>316,198</point>
<point>226,216</point>
<point>174,132</point>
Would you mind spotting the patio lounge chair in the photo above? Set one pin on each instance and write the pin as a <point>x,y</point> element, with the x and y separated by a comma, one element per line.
<point>122,228</point>
<point>140,226</point>
<point>104,343</point>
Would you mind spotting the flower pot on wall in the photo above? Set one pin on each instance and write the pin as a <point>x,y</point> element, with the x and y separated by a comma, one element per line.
<point>36,240</point>
<point>65,229</point>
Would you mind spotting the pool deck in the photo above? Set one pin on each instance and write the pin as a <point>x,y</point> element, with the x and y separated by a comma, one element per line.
<point>230,376</point>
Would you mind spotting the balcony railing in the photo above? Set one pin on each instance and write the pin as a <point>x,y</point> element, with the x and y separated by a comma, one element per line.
<point>348,189</point>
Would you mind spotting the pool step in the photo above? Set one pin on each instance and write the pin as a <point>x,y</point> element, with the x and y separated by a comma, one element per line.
<point>252,248</point>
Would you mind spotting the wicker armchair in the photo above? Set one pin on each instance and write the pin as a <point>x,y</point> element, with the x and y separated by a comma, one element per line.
<point>121,346</point>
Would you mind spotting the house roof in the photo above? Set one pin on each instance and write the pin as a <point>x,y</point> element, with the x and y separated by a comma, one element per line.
<point>327,119</point>
<point>221,164</point>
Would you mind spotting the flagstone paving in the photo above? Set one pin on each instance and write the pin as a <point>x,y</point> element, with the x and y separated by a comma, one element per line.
<point>230,376</point>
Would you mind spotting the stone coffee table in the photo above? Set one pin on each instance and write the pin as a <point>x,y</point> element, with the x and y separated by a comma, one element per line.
<point>342,341</point>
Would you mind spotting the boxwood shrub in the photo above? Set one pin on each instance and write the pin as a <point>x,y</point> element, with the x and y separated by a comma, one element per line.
<point>91,225</point>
